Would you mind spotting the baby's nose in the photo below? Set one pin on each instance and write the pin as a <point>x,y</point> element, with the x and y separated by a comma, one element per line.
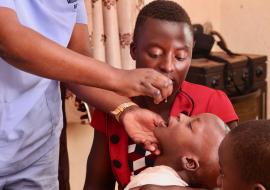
<point>219,181</point>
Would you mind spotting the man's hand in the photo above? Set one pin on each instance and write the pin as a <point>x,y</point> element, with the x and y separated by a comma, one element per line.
<point>144,82</point>
<point>139,124</point>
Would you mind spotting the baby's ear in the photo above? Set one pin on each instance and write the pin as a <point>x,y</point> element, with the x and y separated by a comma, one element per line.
<point>133,50</point>
<point>258,187</point>
<point>190,163</point>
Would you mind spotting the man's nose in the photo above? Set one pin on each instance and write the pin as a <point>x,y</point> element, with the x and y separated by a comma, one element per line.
<point>167,64</point>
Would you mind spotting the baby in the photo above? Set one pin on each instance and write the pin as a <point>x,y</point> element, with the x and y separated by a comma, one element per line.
<point>245,157</point>
<point>189,156</point>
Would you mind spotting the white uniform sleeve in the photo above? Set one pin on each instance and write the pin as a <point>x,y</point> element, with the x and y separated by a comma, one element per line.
<point>7,3</point>
<point>81,12</point>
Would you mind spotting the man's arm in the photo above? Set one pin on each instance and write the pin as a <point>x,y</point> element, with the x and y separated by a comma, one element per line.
<point>139,123</point>
<point>102,99</point>
<point>29,51</point>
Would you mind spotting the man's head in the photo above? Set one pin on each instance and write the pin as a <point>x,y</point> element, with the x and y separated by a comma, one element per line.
<point>191,144</point>
<point>244,157</point>
<point>163,40</point>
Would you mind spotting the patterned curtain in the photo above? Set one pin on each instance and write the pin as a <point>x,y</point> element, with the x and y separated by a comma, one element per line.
<point>111,23</point>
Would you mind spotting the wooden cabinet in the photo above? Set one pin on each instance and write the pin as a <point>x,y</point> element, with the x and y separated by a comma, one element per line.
<point>250,104</point>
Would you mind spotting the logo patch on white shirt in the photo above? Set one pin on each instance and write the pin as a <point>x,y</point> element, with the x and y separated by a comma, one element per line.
<point>71,1</point>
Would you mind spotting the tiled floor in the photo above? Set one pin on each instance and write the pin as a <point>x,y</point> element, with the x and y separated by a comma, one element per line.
<point>79,144</point>
<point>80,137</point>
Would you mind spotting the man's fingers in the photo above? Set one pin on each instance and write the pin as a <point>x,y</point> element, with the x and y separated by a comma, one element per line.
<point>152,147</point>
<point>166,89</point>
<point>152,91</point>
<point>164,84</point>
<point>145,82</point>
<point>156,151</point>
<point>159,87</point>
<point>144,137</point>
<point>158,121</point>
<point>149,146</point>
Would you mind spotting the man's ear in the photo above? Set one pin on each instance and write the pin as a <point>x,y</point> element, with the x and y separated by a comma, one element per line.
<point>133,50</point>
<point>190,163</point>
<point>258,187</point>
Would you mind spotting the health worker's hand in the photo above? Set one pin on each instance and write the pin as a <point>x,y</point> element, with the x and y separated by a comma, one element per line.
<point>144,82</point>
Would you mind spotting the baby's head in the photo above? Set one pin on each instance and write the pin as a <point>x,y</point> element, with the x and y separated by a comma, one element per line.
<point>244,157</point>
<point>190,146</point>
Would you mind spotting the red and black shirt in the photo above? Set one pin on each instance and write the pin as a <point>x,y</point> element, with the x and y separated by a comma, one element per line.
<point>129,159</point>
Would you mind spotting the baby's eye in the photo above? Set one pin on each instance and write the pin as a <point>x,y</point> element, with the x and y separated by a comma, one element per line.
<point>221,173</point>
<point>189,125</point>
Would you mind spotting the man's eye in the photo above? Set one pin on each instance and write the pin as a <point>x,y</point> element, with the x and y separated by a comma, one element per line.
<point>180,58</point>
<point>153,55</point>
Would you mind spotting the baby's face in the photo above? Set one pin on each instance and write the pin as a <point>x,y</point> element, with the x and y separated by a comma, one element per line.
<point>199,136</point>
<point>230,177</point>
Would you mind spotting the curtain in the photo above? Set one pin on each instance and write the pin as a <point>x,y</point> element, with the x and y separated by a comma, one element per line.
<point>111,24</point>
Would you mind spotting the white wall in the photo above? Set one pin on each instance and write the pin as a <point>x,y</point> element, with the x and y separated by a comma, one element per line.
<point>202,11</point>
<point>246,26</point>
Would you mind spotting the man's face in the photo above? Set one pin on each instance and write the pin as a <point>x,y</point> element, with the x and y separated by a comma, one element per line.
<point>197,136</point>
<point>229,178</point>
<point>164,46</point>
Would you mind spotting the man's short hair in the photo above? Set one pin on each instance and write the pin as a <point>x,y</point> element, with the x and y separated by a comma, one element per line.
<point>162,10</point>
<point>250,142</point>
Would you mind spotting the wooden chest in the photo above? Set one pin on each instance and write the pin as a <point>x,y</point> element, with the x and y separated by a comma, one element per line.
<point>250,105</point>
